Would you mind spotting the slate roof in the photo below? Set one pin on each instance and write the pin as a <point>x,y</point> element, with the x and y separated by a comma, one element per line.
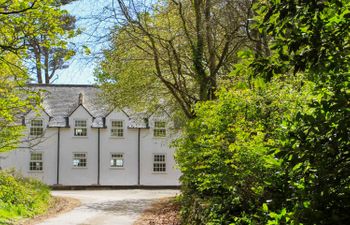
<point>59,101</point>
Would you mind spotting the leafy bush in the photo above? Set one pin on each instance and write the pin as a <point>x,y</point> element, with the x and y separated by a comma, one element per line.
<point>21,197</point>
<point>274,153</point>
<point>227,152</point>
<point>316,158</point>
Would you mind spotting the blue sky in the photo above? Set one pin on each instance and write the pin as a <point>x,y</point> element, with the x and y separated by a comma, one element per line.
<point>89,13</point>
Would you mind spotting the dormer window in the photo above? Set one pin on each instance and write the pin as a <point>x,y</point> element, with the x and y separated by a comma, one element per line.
<point>159,129</point>
<point>80,129</point>
<point>117,129</point>
<point>36,127</point>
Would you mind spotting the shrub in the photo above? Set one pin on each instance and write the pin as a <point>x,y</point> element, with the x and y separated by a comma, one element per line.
<point>227,155</point>
<point>21,197</point>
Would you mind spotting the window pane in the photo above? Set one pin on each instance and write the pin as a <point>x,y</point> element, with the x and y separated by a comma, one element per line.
<point>159,129</point>
<point>117,128</point>
<point>117,160</point>
<point>36,156</point>
<point>159,124</point>
<point>117,132</point>
<point>118,123</point>
<point>79,160</point>
<point>159,164</point>
<point>36,166</point>
<point>80,132</point>
<point>36,161</point>
<point>159,132</point>
<point>36,131</point>
<point>159,158</point>
<point>80,123</point>
<point>36,123</point>
<point>36,127</point>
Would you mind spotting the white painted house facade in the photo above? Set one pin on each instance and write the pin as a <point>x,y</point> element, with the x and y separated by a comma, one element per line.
<point>78,141</point>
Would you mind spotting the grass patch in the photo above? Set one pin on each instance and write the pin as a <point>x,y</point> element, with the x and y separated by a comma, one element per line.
<point>21,197</point>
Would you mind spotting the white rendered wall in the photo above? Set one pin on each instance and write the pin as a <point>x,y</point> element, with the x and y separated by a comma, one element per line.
<point>126,145</point>
<point>19,159</point>
<point>151,145</point>
<point>70,144</point>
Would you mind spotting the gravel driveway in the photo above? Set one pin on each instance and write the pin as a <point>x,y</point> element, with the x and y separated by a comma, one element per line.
<point>107,207</point>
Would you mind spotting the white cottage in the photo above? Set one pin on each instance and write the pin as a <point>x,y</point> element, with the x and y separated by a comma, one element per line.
<point>77,141</point>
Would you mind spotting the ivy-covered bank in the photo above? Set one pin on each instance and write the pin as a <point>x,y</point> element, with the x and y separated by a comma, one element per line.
<point>21,197</point>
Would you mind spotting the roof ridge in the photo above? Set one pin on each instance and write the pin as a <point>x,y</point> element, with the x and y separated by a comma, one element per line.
<point>62,85</point>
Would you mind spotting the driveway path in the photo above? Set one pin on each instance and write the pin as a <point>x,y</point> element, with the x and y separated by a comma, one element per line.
<point>107,207</point>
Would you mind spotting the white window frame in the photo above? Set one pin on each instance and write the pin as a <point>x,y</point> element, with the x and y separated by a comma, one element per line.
<point>80,127</point>
<point>118,129</point>
<point>159,131</point>
<point>38,162</point>
<point>158,166</point>
<point>74,157</point>
<point>35,128</point>
<point>114,165</point>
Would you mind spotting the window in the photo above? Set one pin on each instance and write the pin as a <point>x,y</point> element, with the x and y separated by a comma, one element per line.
<point>117,160</point>
<point>36,161</point>
<point>159,164</point>
<point>159,129</point>
<point>79,160</point>
<point>80,129</point>
<point>117,129</point>
<point>36,127</point>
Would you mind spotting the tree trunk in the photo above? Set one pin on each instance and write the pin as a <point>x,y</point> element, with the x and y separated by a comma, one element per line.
<point>46,66</point>
<point>37,56</point>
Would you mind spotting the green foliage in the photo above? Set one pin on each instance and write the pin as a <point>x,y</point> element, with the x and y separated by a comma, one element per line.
<point>26,26</point>
<point>315,152</point>
<point>39,31</point>
<point>226,152</point>
<point>313,36</point>
<point>286,136</point>
<point>21,197</point>
<point>307,35</point>
<point>22,20</point>
<point>15,100</point>
<point>173,51</point>
<point>127,82</point>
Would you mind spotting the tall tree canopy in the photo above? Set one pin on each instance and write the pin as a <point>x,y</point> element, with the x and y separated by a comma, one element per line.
<point>178,49</point>
<point>50,49</point>
<point>41,28</point>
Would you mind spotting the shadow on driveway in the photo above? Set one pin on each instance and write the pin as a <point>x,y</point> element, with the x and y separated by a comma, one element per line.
<point>122,207</point>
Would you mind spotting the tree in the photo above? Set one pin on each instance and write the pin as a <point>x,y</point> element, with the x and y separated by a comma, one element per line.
<point>274,147</point>
<point>43,26</point>
<point>15,100</point>
<point>11,40</point>
<point>51,51</point>
<point>185,45</point>
<point>313,37</point>
<point>18,21</point>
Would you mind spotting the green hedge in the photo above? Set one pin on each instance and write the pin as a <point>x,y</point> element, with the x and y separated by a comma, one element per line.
<point>21,197</point>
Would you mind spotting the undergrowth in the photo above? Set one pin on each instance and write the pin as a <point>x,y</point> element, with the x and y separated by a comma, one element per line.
<point>21,197</point>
